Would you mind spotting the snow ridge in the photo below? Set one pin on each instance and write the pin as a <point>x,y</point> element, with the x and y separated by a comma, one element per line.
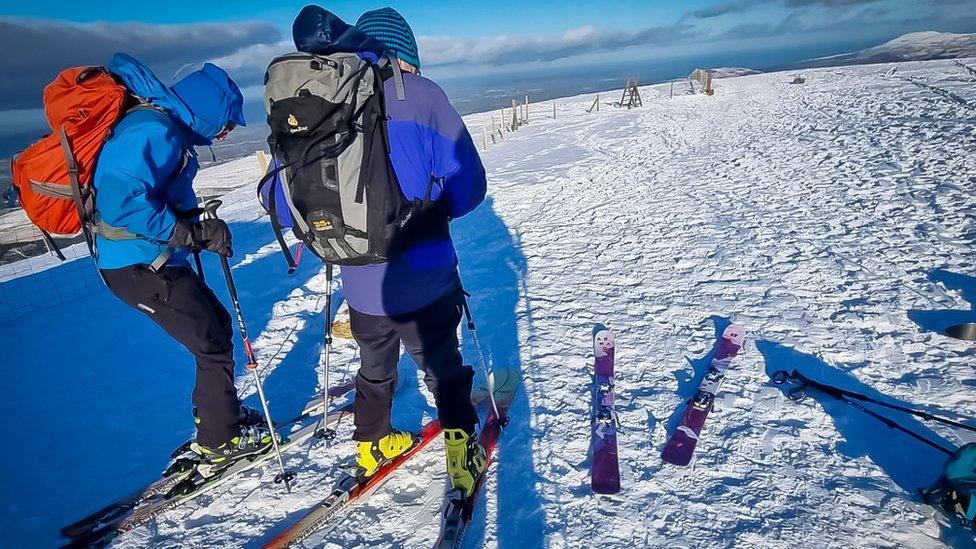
<point>915,46</point>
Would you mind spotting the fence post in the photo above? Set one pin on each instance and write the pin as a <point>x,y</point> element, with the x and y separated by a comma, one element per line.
<point>263,162</point>
<point>484,137</point>
<point>515,118</point>
<point>672,91</point>
<point>553,110</point>
<point>526,109</point>
<point>597,102</point>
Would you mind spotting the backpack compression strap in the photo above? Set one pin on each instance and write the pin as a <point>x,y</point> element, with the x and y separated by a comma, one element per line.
<point>276,223</point>
<point>85,206</point>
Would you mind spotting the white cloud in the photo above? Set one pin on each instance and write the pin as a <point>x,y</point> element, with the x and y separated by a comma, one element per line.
<point>509,49</point>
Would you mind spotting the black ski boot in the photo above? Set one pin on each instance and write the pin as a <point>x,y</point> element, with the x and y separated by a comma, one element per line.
<point>251,441</point>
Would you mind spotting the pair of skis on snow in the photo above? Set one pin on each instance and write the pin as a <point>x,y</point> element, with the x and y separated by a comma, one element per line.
<point>680,447</point>
<point>181,484</point>
<point>181,481</point>
<point>458,508</point>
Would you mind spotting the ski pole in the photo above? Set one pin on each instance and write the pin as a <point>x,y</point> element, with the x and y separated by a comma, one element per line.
<point>845,396</point>
<point>481,357</point>
<point>779,377</point>
<point>199,262</point>
<point>252,363</point>
<point>325,432</point>
<point>892,424</point>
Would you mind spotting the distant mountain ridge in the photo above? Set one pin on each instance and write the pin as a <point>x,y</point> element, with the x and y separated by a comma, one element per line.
<point>916,46</point>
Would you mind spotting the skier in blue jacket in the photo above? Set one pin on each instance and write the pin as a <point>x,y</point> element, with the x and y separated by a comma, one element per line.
<point>146,226</point>
<point>415,298</point>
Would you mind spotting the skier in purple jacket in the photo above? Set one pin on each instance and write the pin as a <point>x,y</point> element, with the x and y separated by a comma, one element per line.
<point>416,298</point>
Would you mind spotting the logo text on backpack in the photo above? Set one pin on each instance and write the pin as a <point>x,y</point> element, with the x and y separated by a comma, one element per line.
<point>322,225</point>
<point>295,128</point>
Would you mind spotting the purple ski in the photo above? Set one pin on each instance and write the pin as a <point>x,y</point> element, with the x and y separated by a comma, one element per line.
<point>605,472</point>
<point>681,445</point>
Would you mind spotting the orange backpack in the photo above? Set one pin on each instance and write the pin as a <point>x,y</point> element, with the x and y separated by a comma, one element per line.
<point>54,175</point>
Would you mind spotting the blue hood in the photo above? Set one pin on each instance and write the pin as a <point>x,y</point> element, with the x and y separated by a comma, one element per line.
<point>204,101</point>
<point>319,31</point>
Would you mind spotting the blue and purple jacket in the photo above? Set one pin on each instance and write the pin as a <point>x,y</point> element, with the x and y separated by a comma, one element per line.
<point>428,140</point>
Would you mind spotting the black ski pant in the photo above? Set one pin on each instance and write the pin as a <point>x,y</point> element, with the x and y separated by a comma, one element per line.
<point>181,304</point>
<point>430,336</point>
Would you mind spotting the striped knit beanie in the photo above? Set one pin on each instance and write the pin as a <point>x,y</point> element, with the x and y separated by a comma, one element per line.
<point>388,27</point>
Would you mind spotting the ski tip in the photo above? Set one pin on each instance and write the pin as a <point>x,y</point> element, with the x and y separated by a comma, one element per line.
<point>735,333</point>
<point>603,340</point>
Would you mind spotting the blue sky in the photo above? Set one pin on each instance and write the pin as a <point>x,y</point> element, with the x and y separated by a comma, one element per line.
<point>461,18</point>
<point>458,38</point>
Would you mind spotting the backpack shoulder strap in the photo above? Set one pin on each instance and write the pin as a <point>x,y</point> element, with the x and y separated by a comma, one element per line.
<point>390,67</point>
<point>110,232</point>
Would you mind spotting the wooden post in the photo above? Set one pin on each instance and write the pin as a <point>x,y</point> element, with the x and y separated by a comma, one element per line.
<point>553,110</point>
<point>526,109</point>
<point>672,91</point>
<point>263,162</point>
<point>501,121</point>
<point>484,137</point>
<point>597,102</point>
<point>515,118</point>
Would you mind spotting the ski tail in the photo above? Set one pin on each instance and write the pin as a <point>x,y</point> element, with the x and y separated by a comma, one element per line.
<point>459,508</point>
<point>348,490</point>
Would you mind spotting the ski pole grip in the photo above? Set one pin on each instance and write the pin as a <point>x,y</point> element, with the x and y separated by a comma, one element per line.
<point>211,207</point>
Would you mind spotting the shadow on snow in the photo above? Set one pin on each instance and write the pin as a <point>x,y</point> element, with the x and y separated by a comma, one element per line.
<point>910,464</point>
<point>493,269</point>
<point>937,321</point>
<point>688,382</point>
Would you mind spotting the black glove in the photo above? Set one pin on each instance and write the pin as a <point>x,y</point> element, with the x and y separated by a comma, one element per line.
<point>208,234</point>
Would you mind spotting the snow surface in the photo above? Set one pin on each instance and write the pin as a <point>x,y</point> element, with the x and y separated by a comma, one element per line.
<point>834,220</point>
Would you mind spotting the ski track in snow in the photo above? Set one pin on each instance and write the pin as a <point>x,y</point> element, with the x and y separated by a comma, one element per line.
<point>834,220</point>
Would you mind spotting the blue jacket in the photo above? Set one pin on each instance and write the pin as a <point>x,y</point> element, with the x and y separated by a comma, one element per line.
<point>144,175</point>
<point>427,139</point>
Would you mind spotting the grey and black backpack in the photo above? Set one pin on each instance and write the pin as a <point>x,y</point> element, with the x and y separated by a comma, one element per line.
<point>330,144</point>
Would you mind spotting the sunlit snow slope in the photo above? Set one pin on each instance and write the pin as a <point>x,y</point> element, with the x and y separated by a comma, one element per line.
<point>834,220</point>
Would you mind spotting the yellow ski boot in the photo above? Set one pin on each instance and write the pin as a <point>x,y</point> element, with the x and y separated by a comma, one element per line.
<point>370,456</point>
<point>465,459</point>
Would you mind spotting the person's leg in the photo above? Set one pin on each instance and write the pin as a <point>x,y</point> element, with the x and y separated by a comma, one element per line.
<point>430,336</point>
<point>179,302</point>
<point>379,351</point>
